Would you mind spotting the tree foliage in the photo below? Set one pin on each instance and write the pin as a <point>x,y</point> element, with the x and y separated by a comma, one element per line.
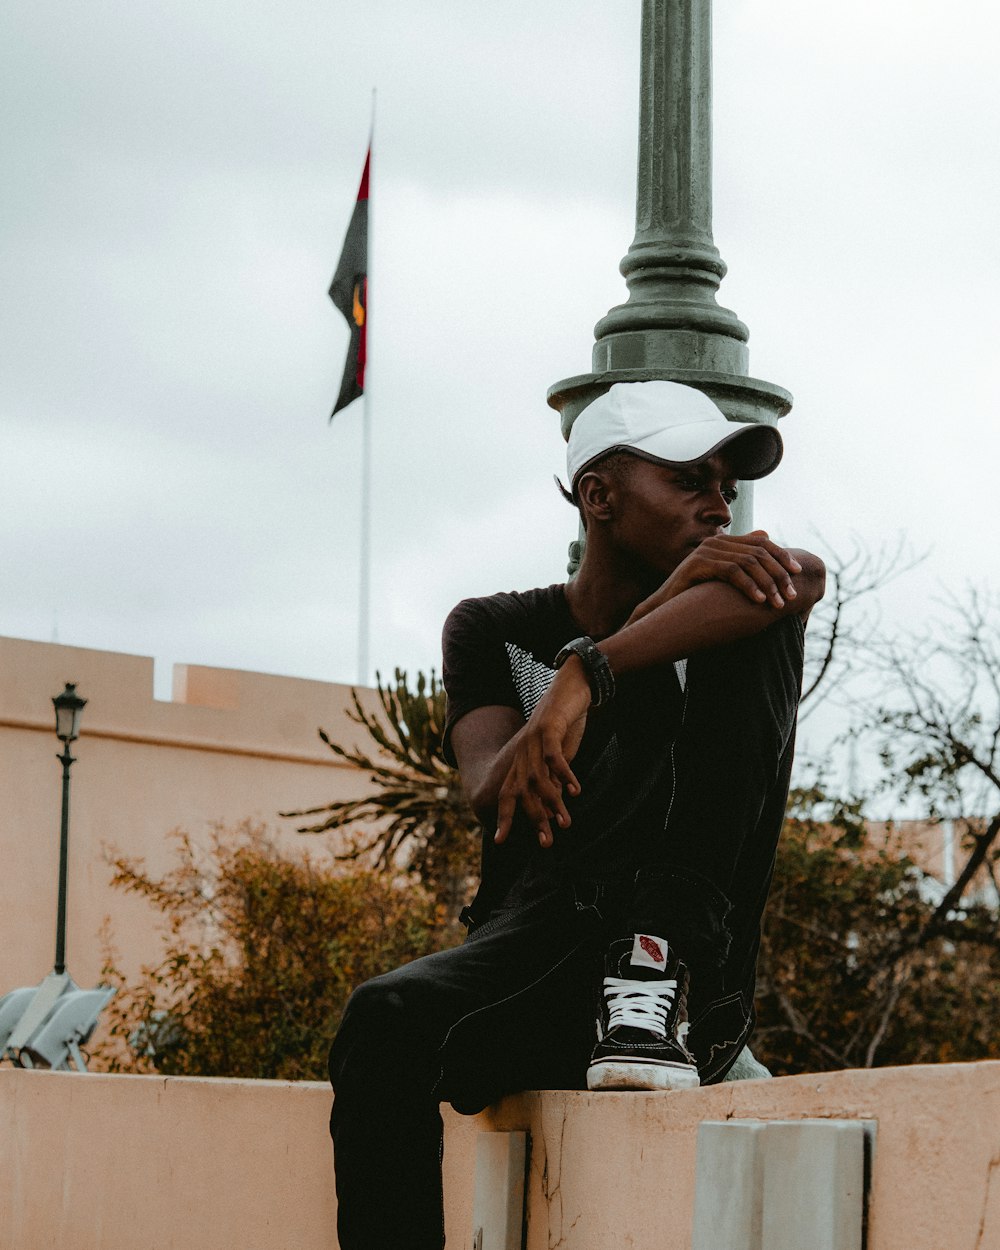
<point>937,728</point>
<point>854,970</point>
<point>261,952</point>
<point>860,964</point>
<point>416,818</point>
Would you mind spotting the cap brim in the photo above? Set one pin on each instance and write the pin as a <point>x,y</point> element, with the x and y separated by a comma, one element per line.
<point>754,450</point>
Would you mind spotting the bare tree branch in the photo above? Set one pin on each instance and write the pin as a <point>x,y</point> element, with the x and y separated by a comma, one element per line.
<point>844,622</point>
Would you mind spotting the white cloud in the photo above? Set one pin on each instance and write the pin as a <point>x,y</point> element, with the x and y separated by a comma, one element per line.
<point>178,178</point>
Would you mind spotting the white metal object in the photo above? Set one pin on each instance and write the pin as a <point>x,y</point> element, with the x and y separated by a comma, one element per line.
<point>38,1010</point>
<point>729,1186</point>
<point>781,1185</point>
<point>498,1205</point>
<point>12,1007</point>
<point>71,1023</point>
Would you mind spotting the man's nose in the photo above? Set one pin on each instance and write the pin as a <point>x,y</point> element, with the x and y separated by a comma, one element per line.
<point>717,509</point>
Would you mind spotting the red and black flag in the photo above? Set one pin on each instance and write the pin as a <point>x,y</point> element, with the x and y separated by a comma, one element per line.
<point>349,291</point>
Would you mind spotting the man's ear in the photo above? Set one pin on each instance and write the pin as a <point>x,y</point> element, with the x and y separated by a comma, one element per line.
<point>595,495</point>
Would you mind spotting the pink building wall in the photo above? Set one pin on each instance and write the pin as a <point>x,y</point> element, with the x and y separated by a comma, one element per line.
<point>230,746</point>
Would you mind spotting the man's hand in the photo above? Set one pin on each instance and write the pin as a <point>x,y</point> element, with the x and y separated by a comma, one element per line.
<point>542,751</point>
<point>755,566</point>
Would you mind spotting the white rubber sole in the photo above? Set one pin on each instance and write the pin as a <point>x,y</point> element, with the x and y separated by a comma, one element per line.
<point>634,1074</point>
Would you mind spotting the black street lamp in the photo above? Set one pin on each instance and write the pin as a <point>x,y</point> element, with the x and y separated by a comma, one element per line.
<point>60,1017</point>
<point>68,707</point>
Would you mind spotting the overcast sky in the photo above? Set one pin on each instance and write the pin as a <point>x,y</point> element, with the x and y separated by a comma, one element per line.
<point>177,179</point>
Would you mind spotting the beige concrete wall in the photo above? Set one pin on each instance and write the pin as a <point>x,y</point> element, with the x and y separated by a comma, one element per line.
<point>230,746</point>
<point>112,1162</point>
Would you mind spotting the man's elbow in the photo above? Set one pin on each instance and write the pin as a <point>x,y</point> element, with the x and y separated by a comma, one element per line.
<point>810,584</point>
<point>483,802</point>
<point>483,795</point>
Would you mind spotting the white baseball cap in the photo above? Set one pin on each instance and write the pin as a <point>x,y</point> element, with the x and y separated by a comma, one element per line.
<point>670,423</point>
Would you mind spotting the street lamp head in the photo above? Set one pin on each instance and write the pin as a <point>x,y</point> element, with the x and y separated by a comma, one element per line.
<point>68,707</point>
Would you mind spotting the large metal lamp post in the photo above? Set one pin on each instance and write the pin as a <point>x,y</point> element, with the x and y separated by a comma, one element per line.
<point>68,707</point>
<point>60,1017</point>
<point>671,325</point>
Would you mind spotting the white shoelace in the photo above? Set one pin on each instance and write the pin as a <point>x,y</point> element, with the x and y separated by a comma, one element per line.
<point>641,1004</point>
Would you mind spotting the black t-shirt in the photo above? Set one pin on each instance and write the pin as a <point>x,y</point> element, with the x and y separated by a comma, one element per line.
<point>500,651</point>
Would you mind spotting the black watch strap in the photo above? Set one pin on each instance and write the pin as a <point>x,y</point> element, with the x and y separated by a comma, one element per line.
<point>596,666</point>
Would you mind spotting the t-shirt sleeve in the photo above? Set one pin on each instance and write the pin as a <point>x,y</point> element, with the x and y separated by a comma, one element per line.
<point>476,668</point>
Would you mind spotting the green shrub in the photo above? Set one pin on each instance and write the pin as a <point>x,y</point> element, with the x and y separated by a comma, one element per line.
<point>854,972</point>
<point>261,952</point>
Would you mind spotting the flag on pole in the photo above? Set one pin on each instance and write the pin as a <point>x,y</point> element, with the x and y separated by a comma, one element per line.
<point>349,291</point>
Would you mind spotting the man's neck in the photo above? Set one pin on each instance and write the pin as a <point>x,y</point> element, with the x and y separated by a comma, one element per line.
<point>601,597</point>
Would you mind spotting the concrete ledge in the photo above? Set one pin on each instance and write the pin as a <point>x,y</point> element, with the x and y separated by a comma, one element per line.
<point>110,1162</point>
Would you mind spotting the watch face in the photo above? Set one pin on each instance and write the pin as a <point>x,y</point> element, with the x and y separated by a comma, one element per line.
<point>579,646</point>
<point>595,662</point>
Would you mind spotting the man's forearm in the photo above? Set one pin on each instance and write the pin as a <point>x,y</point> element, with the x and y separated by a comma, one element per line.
<point>703,616</point>
<point>532,770</point>
<point>483,794</point>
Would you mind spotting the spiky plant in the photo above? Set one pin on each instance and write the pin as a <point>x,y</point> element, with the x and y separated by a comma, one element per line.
<point>417,818</point>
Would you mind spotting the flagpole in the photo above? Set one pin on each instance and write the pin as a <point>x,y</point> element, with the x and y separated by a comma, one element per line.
<point>364,594</point>
<point>364,588</point>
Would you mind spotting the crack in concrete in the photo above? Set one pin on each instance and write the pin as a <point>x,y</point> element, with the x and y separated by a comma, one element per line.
<point>991,1173</point>
<point>558,1245</point>
<point>552,1193</point>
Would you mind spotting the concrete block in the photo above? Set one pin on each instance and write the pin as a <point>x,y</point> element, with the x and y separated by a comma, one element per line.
<point>729,1186</point>
<point>814,1185</point>
<point>498,1205</point>
<point>781,1185</point>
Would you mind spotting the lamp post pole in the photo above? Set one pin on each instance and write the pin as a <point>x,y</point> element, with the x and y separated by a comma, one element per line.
<point>68,706</point>
<point>671,326</point>
<point>67,760</point>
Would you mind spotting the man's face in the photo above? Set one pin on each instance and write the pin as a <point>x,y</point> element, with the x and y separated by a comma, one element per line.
<point>664,513</point>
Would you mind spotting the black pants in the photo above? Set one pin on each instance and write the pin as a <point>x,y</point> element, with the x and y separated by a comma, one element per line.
<point>514,1007</point>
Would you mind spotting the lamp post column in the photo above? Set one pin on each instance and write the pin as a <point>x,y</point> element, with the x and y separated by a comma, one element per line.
<point>67,761</point>
<point>671,325</point>
<point>68,707</point>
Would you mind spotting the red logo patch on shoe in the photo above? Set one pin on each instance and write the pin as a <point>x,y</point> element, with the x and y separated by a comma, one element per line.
<point>652,948</point>
<point>649,952</point>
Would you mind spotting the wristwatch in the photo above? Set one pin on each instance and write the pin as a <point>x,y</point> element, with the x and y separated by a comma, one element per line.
<point>596,666</point>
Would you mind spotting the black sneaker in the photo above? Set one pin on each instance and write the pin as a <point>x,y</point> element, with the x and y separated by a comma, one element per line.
<point>642,1024</point>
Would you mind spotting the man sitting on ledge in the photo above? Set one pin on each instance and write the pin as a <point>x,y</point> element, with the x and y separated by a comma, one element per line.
<point>626,739</point>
